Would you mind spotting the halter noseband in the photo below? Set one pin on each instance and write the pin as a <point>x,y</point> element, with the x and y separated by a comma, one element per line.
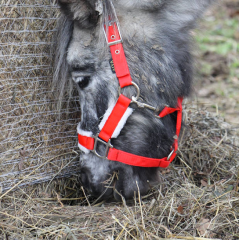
<point>117,116</point>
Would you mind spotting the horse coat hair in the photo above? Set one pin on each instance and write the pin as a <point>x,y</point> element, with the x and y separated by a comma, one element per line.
<point>157,42</point>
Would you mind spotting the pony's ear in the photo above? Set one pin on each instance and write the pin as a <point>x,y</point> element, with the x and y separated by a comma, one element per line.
<point>181,15</point>
<point>81,11</point>
<point>66,6</point>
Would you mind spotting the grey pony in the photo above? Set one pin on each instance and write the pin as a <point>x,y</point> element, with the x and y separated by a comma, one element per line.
<point>157,45</point>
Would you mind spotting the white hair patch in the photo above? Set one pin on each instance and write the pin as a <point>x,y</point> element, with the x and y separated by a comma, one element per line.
<point>122,122</point>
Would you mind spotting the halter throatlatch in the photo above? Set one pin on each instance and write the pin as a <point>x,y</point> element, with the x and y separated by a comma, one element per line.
<point>120,113</point>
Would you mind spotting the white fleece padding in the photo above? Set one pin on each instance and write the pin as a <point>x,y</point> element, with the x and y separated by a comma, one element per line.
<point>83,149</point>
<point>107,114</point>
<point>121,123</point>
<point>83,133</point>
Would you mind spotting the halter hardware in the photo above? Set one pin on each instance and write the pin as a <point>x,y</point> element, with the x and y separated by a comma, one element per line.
<point>113,37</point>
<point>113,23</point>
<point>170,155</point>
<point>107,146</point>
<point>143,105</point>
<point>120,110</point>
<point>134,98</point>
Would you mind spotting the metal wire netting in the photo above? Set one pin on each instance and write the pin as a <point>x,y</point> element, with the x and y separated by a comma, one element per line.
<point>34,139</point>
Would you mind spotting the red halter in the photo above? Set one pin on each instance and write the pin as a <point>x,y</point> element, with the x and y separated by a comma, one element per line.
<point>122,72</point>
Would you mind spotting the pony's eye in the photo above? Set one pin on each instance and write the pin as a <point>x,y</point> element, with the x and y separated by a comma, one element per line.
<point>83,82</point>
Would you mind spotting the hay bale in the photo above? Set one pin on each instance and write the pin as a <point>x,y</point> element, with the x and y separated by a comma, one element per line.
<point>31,131</point>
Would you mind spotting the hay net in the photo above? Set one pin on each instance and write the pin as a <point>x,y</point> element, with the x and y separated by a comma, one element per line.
<point>31,132</point>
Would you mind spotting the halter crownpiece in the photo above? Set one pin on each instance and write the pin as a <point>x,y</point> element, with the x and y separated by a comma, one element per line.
<point>117,115</point>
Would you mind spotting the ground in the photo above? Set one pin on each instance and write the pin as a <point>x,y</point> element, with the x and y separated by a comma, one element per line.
<point>217,79</point>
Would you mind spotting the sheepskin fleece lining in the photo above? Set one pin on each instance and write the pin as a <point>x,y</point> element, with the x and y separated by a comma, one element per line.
<point>121,123</point>
<point>117,130</point>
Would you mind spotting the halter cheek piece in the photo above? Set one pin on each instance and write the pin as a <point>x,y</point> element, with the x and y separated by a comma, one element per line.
<point>120,111</point>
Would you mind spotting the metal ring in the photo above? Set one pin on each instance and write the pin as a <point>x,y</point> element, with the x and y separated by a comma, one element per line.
<point>112,37</point>
<point>170,155</point>
<point>134,98</point>
<point>117,51</point>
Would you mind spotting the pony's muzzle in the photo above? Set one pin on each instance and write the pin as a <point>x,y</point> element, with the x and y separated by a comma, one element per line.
<point>101,189</point>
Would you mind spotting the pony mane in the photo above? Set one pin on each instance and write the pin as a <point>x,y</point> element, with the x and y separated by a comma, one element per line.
<point>61,83</point>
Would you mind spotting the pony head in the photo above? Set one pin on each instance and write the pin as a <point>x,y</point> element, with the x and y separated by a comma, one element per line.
<point>156,41</point>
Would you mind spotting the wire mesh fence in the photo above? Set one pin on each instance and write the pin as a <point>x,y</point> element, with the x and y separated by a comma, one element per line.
<point>34,139</point>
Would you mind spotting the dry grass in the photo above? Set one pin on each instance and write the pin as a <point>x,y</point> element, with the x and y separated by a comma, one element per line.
<point>197,197</point>
<point>31,131</point>
<point>40,197</point>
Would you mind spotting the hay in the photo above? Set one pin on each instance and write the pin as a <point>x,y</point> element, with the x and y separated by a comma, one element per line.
<point>197,198</point>
<point>31,130</point>
<point>40,197</point>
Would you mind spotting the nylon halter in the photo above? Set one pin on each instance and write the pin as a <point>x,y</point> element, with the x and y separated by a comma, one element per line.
<point>120,111</point>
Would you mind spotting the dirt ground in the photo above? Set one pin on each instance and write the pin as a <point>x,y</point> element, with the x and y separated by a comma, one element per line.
<point>217,65</point>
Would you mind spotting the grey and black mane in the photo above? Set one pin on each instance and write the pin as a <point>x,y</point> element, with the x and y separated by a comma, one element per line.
<point>157,45</point>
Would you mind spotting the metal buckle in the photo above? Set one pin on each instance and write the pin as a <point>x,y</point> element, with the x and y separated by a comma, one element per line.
<point>143,105</point>
<point>170,155</point>
<point>112,23</point>
<point>116,41</point>
<point>107,146</point>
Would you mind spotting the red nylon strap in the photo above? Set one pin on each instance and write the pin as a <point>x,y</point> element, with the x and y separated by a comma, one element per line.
<point>87,142</point>
<point>178,127</point>
<point>114,118</point>
<point>124,157</point>
<point>118,56</point>
<point>135,160</point>
<point>168,110</point>
<point>179,116</point>
<point>123,75</point>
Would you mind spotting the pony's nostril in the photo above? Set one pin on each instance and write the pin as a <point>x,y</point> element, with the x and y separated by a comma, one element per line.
<point>84,179</point>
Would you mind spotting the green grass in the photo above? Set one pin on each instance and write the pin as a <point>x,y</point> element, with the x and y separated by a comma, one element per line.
<point>221,37</point>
